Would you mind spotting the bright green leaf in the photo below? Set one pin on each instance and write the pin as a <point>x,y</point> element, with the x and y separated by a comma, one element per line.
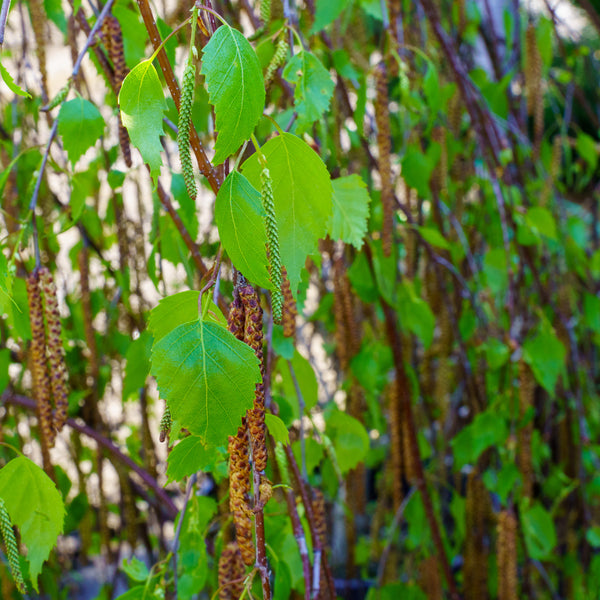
<point>277,429</point>
<point>12,86</point>
<point>207,376</point>
<point>541,221</point>
<point>591,311</point>
<point>415,314</point>
<point>35,506</point>
<point>80,124</point>
<point>138,365</point>
<point>306,378</point>
<point>539,532</point>
<point>350,439</point>
<point>142,103</point>
<point>189,456</point>
<point>326,12</point>
<point>486,430</point>
<point>418,167</point>
<point>135,569</point>
<point>350,210</point>
<point>302,193</point>
<point>235,86</point>
<point>240,218</point>
<point>546,355</point>
<point>314,87</point>
<point>433,237</point>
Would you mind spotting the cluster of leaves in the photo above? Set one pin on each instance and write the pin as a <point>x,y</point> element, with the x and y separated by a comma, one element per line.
<point>440,392</point>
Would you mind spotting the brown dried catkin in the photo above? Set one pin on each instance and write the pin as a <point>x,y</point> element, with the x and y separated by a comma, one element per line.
<point>39,366</point>
<point>382,120</point>
<point>290,312</point>
<point>55,350</point>
<point>506,553</point>
<point>526,396</point>
<point>239,490</point>
<point>231,573</point>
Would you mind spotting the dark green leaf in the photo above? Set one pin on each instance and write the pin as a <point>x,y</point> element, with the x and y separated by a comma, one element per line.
<point>546,356</point>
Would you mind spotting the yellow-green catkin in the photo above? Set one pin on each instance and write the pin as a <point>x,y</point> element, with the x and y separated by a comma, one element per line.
<point>273,243</point>
<point>277,60</point>
<point>12,550</point>
<point>183,134</point>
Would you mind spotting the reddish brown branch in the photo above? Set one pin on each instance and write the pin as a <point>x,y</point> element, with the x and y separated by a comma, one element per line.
<point>204,164</point>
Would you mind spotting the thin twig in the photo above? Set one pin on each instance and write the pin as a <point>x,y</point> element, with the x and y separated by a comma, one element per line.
<point>175,546</point>
<point>388,545</point>
<point>166,504</point>
<point>3,19</point>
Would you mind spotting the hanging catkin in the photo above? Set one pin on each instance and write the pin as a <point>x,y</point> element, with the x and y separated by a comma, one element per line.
<point>231,573</point>
<point>239,489</point>
<point>12,550</point>
<point>277,60</point>
<point>318,506</point>
<point>533,85</point>
<point>273,253</point>
<point>526,395</point>
<point>113,37</point>
<point>429,578</point>
<point>55,350</point>
<point>41,380</point>
<point>382,120</point>
<point>290,312</point>
<point>506,553</point>
<point>39,21</point>
<point>396,446</point>
<point>183,132</point>
<point>253,337</point>
<point>476,512</point>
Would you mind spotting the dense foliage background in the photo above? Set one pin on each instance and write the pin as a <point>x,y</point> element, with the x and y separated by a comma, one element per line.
<point>426,173</point>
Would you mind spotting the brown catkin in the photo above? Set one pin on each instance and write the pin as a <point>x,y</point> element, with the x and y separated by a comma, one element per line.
<point>429,578</point>
<point>476,511</point>
<point>553,173</point>
<point>382,120</point>
<point>347,330</point>
<point>39,366</point>
<point>533,85</point>
<point>57,365</point>
<point>396,446</point>
<point>506,554</point>
<point>318,506</point>
<point>231,573</point>
<point>113,38</point>
<point>235,318</point>
<point>88,315</point>
<point>526,395</point>
<point>38,24</point>
<point>290,312</point>
<point>239,489</point>
<point>253,337</point>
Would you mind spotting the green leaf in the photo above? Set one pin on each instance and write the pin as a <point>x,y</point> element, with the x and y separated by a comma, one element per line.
<point>326,12</point>
<point>207,376</point>
<point>302,193</point>
<point>314,87</point>
<point>587,147</point>
<point>277,429</point>
<point>178,309</point>
<point>35,506</point>
<point>541,221</point>
<point>486,430</point>
<point>433,237</point>
<point>236,88</point>
<point>307,381</point>
<point>350,210</point>
<point>591,311</point>
<point>135,569</point>
<point>138,365</point>
<point>142,104</point>
<point>240,217</point>
<point>189,456</point>
<point>539,532</point>
<point>80,124</point>
<point>418,167</point>
<point>10,82</point>
<point>350,439</point>
<point>545,354</point>
<point>415,314</point>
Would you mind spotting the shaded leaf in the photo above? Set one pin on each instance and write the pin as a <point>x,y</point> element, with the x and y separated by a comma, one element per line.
<point>189,456</point>
<point>350,439</point>
<point>326,12</point>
